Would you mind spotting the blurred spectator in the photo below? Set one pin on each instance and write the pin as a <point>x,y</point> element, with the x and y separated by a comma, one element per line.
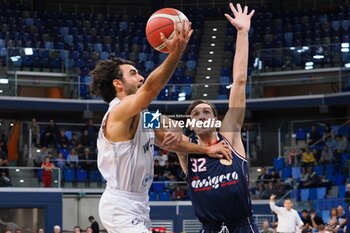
<point>41,230</point>
<point>263,177</point>
<point>77,229</point>
<point>74,141</point>
<point>3,154</point>
<point>326,155</point>
<point>266,227</point>
<point>179,193</point>
<point>47,167</point>
<point>328,132</point>
<point>347,194</point>
<point>64,150</point>
<point>3,146</point>
<point>332,144</point>
<point>89,230</point>
<point>50,135</point>
<point>56,229</point>
<point>60,161</point>
<point>5,180</point>
<point>342,143</point>
<point>162,157</point>
<point>73,159</point>
<point>261,193</point>
<point>158,171</point>
<point>87,164</point>
<point>94,225</point>
<point>91,129</point>
<point>62,138</point>
<point>168,170</point>
<point>308,158</point>
<point>40,156</point>
<point>3,167</point>
<point>333,221</point>
<point>35,129</point>
<point>315,136</point>
<point>341,217</point>
<point>85,139</point>
<point>270,189</point>
<point>306,220</point>
<point>315,220</point>
<point>274,176</point>
<point>347,227</point>
<point>172,183</point>
<point>312,179</point>
<point>321,229</point>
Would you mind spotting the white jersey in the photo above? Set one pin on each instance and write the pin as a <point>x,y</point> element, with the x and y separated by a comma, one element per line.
<point>126,166</point>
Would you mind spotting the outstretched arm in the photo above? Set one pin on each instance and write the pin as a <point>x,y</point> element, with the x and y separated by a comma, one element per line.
<point>134,104</point>
<point>233,120</point>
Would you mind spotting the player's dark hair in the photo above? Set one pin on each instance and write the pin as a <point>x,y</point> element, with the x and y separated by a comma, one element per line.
<point>197,102</point>
<point>104,74</point>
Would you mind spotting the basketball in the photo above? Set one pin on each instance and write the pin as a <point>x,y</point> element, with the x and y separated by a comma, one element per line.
<point>162,21</point>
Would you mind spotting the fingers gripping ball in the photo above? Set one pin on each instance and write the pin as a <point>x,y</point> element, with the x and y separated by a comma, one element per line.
<point>162,21</point>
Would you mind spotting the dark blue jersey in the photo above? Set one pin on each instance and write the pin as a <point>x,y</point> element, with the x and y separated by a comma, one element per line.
<point>219,189</point>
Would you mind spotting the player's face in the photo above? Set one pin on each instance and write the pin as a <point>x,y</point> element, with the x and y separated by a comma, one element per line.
<point>132,80</point>
<point>203,112</point>
<point>288,204</point>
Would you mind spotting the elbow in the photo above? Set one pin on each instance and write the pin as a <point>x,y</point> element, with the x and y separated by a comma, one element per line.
<point>241,78</point>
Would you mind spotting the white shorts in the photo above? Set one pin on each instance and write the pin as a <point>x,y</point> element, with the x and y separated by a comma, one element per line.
<point>124,212</point>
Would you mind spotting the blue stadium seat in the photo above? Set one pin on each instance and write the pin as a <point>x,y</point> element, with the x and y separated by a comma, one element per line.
<point>286,172</point>
<point>296,173</point>
<point>325,215</point>
<point>321,192</point>
<point>164,196</point>
<point>278,164</point>
<point>158,187</point>
<point>191,64</point>
<point>153,196</point>
<point>68,175</point>
<point>300,134</point>
<point>318,170</point>
<point>81,175</point>
<point>304,194</point>
<point>40,175</point>
<point>95,176</point>
<point>312,194</point>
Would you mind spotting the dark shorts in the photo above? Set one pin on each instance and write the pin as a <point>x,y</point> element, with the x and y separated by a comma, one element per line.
<point>251,228</point>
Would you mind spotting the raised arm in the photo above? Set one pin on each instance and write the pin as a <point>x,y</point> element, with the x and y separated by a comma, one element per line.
<point>156,81</point>
<point>233,120</point>
<point>273,206</point>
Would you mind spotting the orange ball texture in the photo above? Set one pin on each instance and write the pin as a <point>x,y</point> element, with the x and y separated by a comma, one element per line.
<point>162,21</point>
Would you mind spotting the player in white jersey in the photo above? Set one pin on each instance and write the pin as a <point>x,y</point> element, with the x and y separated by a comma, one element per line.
<point>125,149</point>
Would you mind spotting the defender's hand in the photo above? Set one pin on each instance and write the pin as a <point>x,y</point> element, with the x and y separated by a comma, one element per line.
<point>219,151</point>
<point>242,18</point>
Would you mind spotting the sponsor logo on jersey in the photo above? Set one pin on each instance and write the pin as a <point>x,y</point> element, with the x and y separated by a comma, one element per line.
<point>148,144</point>
<point>136,221</point>
<point>226,162</point>
<point>147,179</point>
<point>214,182</point>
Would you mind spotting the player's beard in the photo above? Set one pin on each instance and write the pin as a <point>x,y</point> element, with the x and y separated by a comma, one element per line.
<point>129,90</point>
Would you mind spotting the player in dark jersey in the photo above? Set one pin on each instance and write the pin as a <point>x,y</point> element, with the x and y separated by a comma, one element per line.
<point>219,187</point>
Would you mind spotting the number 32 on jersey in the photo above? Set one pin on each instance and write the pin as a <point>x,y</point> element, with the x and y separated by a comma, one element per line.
<point>198,165</point>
